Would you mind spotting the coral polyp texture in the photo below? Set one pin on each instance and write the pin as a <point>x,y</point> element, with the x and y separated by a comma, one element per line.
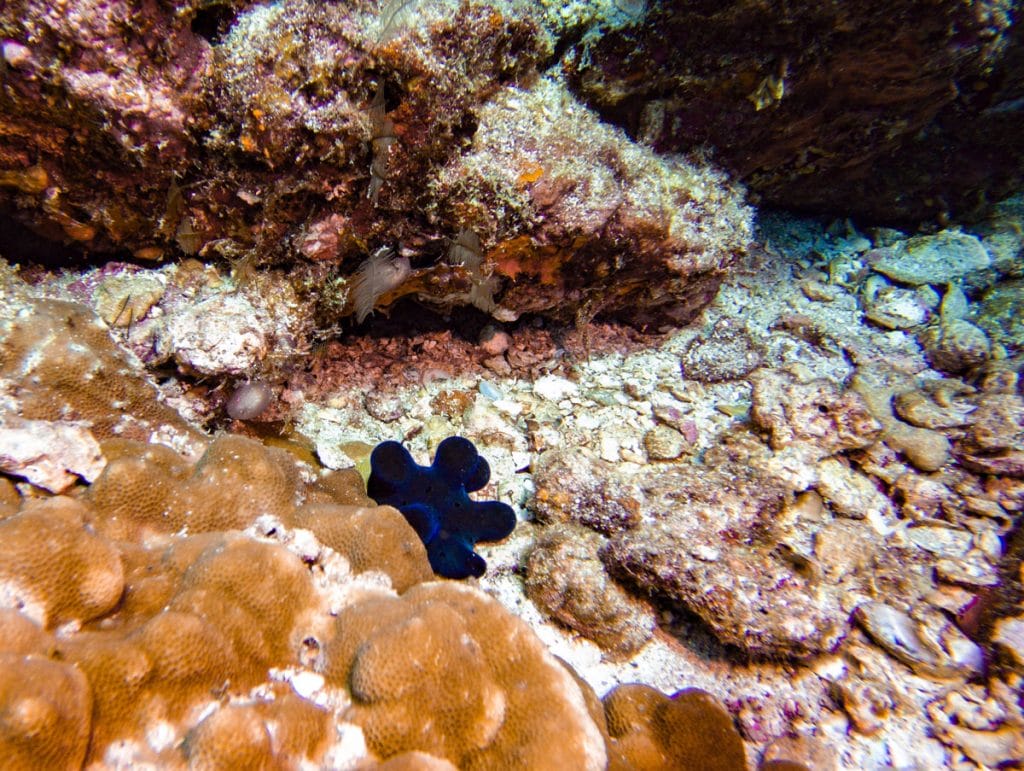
<point>435,501</point>
<point>460,696</point>
<point>690,729</point>
<point>63,366</point>
<point>47,707</point>
<point>66,386</point>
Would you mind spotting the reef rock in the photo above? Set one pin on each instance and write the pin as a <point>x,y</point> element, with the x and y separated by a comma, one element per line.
<point>939,259</point>
<point>713,554</point>
<point>566,578</point>
<point>859,108</point>
<point>994,442</point>
<point>931,645</point>
<point>311,135</point>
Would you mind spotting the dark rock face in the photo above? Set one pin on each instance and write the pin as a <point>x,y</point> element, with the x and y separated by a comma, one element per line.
<point>896,113</point>
<point>309,135</point>
<point>96,98</point>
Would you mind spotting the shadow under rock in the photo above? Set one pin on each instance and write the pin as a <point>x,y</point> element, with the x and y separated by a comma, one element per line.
<point>691,632</point>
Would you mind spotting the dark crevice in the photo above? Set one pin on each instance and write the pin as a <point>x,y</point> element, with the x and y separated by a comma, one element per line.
<point>409,318</point>
<point>20,245</point>
<point>213,22</point>
<point>570,39</point>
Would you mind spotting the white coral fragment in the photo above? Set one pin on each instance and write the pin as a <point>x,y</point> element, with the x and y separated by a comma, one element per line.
<point>930,646</point>
<point>51,455</point>
<point>225,334</point>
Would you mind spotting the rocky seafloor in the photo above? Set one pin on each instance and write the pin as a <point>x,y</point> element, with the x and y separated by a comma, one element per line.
<point>806,503</point>
<point>775,458</point>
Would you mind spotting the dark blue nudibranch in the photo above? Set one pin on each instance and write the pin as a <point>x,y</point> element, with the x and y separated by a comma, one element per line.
<point>435,501</point>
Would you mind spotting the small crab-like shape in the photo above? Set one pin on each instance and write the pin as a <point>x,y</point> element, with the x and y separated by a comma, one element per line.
<point>435,501</point>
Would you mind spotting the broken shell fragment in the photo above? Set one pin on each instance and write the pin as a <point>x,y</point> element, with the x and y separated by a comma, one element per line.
<point>931,646</point>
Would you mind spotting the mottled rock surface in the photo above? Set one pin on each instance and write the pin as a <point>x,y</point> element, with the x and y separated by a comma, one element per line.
<point>821,107</point>
<point>566,578</point>
<point>311,135</point>
<point>720,539</point>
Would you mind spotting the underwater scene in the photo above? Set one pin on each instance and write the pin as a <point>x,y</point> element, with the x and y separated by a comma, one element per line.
<point>541,385</point>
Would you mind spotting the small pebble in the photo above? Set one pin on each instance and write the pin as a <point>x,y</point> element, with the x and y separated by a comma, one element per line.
<point>554,388</point>
<point>15,54</point>
<point>664,443</point>
<point>494,341</point>
<point>488,391</point>
<point>249,400</point>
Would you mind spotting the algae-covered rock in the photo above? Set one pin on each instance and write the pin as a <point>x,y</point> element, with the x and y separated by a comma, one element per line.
<point>718,567</point>
<point>955,346</point>
<point>563,201</point>
<point>937,259</point>
<point>1001,314</point>
<point>819,107</point>
<point>332,131</point>
<point>729,353</point>
<point>566,578</point>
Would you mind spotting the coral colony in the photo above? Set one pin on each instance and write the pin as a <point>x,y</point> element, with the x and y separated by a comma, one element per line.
<point>754,478</point>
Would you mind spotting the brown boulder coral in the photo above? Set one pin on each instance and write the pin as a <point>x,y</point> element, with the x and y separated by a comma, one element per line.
<point>46,717</point>
<point>211,614</point>
<point>150,489</point>
<point>651,731</point>
<point>66,385</point>
<point>260,734</point>
<point>140,626</point>
<point>371,537</point>
<point>61,365</point>
<point>148,638</point>
<point>53,569</point>
<point>446,670</point>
